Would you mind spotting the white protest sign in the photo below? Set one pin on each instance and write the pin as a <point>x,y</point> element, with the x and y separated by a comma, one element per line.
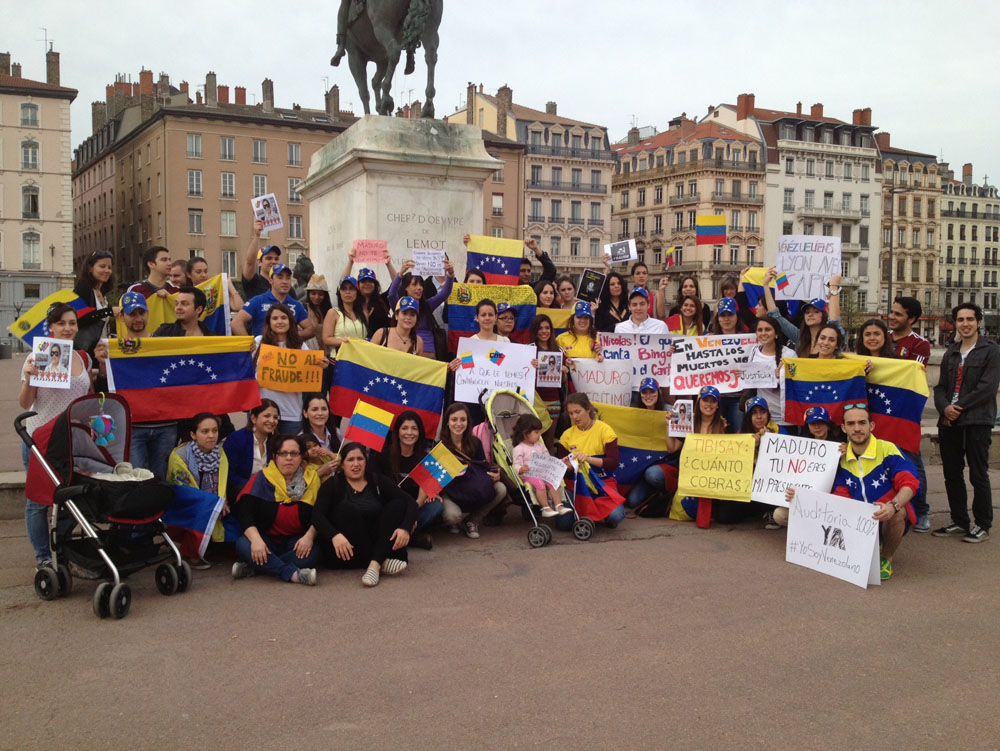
<point>789,461</point>
<point>428,262</point>
<point>266,209</point>
<point>681,418</point>
<point>546,468</point>
<point>608,382</point>
<point>833,535</point>
<point>52,360</point>
<point>621,252</point>
<point>492,366</point>
<point>549,369</point>
<point>648,354</point>
<point>700,361</point>
<point>759,375</point>
<point>807,261</point>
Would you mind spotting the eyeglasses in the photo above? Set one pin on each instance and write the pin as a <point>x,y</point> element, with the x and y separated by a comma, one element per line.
<point>288,454</point>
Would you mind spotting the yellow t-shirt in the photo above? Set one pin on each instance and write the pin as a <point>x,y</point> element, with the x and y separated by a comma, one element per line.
<point>590,441</point>
<point>577,346</point>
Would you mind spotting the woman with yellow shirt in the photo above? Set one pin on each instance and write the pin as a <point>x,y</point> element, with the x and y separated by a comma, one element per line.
<point>581,340</point>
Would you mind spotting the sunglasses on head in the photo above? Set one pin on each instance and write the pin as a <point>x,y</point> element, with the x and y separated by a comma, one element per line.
<point>856,405</point>
<point>98,254</point>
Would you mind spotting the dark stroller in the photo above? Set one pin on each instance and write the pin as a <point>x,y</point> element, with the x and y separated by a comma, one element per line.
<point>107,527</point>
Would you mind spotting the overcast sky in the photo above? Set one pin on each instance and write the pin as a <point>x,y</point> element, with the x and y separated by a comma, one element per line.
<point>927,69</point>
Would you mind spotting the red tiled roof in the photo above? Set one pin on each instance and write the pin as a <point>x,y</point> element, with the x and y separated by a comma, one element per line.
<point>680,135</point>
<point>520,112</point>
<point>904,152</point>
<point>767,115</point>
<point>26,84</point>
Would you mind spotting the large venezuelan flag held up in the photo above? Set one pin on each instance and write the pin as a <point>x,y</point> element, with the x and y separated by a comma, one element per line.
<point>497,258</point>
<point>462,309</point>
<point>215,316</point>
<point>391,380</point>
<point>369,426</point>
<point>436,470</point>
<point>176,377</point>
<point>710,229</point>
<point>823,383</point>
<point>897,395</point>
<point>33,324</point>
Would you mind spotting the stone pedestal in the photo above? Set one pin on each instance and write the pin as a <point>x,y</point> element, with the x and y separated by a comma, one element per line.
<point>417,184</point>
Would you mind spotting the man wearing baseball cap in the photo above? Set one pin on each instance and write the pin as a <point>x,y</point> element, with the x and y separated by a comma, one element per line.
<point>639,321</point>
<point>135,314</point>
<point>251,318</point>
<point>253,283</point>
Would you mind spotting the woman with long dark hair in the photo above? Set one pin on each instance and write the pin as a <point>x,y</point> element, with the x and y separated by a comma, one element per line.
<point>347,320</point>
<point>545,291</point>
<point>688,321</point>
<point>566,290</point>
<point>407,284</point>
<point>874,339</point>
<point>248,450</point>
<point>613,306</point>
<point>813,316</point>
<point>94,282</point>
<point>687,287</point>
<point>542,335</point>
<point>771,351</point>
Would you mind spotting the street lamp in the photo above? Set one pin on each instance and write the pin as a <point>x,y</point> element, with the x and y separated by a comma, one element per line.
<point>893,192</point>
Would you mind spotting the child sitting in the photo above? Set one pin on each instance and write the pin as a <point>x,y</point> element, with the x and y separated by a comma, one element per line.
<point>527,441</point>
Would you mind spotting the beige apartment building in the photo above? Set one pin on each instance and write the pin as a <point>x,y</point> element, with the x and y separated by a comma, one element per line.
<point>663,182</point>
<point>970,224</point>
<point>36,237</point>
<point>568,165</point>
<point>911,193</point>
<point>161,169</point>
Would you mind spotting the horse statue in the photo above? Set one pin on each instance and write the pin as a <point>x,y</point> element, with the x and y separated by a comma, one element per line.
<point>377,31</point>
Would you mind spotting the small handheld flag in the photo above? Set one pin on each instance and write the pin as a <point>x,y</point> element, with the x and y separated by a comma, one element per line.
<point>436,470</point>
<point>369,425</point>
<point>466,358</point>
<point>782,280</point>
<point>670,260</point>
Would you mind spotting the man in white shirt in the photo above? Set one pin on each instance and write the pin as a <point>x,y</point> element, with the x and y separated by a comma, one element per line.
<point>640,322</point>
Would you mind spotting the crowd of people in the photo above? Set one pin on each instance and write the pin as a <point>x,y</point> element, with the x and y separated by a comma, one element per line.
<point>296,496</point>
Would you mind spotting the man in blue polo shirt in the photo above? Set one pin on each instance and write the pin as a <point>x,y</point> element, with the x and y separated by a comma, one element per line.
<point>250,320</point>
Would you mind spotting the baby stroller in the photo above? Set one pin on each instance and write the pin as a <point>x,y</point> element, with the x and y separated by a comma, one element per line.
<point>114,520</point>
<point>503,408</point>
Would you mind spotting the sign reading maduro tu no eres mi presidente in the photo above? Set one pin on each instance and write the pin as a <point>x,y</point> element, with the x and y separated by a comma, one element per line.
<point>290,370</point>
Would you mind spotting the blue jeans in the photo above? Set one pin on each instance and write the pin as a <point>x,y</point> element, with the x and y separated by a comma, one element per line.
<point>151,447</point>
<point>566,521</point>
<point>428,514</point>
<point>36,520</point>
<point>281,559</point>
<point>289,427</point>
<point>651,481</point>
<point>920,505</point>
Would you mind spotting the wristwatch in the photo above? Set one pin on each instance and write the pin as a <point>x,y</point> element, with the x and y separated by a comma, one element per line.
<point>894,505</point>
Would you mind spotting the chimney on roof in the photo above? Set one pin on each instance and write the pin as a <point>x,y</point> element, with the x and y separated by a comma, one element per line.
<point>52,67</point>
<point>98,115</point>
<point>633,136</point>
<point>550,108</point>
<point>163,85</point>
<point>145,82</point>
<point>414,113</point>
<point>15,70</point>
<point>882,140</point>
<point>798,108</point>
<point>744,106</point>
<point>480,88</point>
<point>816,112</point>
<point>223,94</point>
<point>185,89</point>
<point>967,174</point>
<point>197,97</point>
<point>5,63</point>
<point>470,104</point>
<point>505,105</point>
<point>240,95</point>
<point>856,119</point>
<point>211,90</point>
<point>135,88</point>
<point>267,90</point>
<point>711,109</point>
<point>866,116</point>
<point>333,102</point>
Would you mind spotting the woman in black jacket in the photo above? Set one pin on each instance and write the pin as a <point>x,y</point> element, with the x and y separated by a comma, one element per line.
<point>363,519</point>
<point>93,284</point>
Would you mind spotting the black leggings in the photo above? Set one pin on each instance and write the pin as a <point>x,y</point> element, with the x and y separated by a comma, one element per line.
<point>369,534</point>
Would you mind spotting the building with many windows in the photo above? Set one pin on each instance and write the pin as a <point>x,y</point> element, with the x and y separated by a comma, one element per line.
<point>970,243</point>
<point>36,237</point>
<point>662,182</point>
<point>911,193</point>
<point>823,178</point>
<point>567,175</point>
<point>161,169</point>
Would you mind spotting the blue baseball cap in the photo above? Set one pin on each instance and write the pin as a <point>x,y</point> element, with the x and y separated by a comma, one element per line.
<point>583,308</point>
<point>819,303</point>
<point>279,268</point>
<point>269,249</point>
<point>407,303</point>
<point>131,301</point>
<point>649,384</point>
<point>506,307</point>
<point>709,391</point>
<point>366,275</point>
<point>726,305</point>
<point>639,291</point>
<point>757,401</point>
<point>817,414</point>
<point>349,280</point>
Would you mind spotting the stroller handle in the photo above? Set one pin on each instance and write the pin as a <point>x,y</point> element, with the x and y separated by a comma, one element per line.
<point>21,430</point>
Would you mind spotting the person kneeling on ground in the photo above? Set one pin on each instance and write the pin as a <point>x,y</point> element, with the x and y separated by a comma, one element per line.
<point>276,516</point>
<point>363,519</point>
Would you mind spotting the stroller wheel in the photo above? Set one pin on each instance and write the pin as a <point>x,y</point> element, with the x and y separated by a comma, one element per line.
<point>121,600</point>
<point>583,529</point>
<point>65,580</point>
<point>46,584</point>
<point>548,533</point>
<point>102,600</point>
<point>184,577</point>
<point>537,537</point>
<point>166,579</point>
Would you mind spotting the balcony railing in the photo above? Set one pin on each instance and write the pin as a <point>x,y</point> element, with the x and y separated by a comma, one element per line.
<point>569,151</point>
<point>831,213</point>
<point>850,248</point>
<point>536,218</point>
<point>497,212</point>
<point>689,198</point>
<point>595,222</point>
<point>564,186</point>
<point>654,173</point>
<point>557,220</point>
<point>640,233</point>
<point>575,220</point>
<point>952,284</point>
<point>737,198</point>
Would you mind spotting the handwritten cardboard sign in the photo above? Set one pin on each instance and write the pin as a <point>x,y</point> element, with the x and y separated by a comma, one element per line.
<point>428,262</point>
<point>807,262</point>
<point>546,468</point>
<point>833,535</point>
<point>716,466</point>
<point>718,361</point>
<point>759,375</point>
<point>609,382</point>
<point>648,354</point>
<point>289,370</point>
<point>492,366</point>
<point>789,461</point>
<point>370,252</point>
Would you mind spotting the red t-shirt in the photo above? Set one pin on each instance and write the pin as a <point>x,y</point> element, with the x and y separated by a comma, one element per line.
<point>287,522</point>
<point>913,347</point>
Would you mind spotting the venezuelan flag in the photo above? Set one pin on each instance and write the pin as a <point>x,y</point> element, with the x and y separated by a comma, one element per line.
<point>215,316</point>
<point>669,258</point>
<point>642,441</point>
<point>391,380</point>
<point>876,478</point>
<point>593,496</point>
<point>436,470</point>
<point>369,425</point>
<point>897,395</point>
<point>33,324</point>
<point>192,518</point>
<point>497,258</point>
<point>710,229</point>
<point>462,309</point>
<point>173,378</point>
<point>782,280</point>
<point>560,317</point>
<point>468,362</point>
<point>811,382</point>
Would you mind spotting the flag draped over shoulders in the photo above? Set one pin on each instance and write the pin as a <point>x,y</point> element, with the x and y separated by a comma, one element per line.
<point>897,394</point>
